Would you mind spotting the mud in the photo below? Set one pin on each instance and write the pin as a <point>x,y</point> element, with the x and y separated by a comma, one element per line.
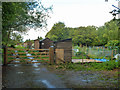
<point>30,76</point>
<point>88,79</point>
<point>40,76</point>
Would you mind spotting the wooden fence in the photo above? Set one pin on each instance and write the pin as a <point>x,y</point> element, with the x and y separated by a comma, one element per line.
<point>28,55</point>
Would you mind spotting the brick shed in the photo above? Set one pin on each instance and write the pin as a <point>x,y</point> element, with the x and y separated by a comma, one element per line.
<point>67,53</point>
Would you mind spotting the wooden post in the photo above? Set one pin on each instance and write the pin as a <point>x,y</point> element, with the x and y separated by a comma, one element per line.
<point>115,51</point>
<point>51,55</point>
<point>80,45</point>
<point>82,59</point>
<point>112,55</point>
<point>5,56</point>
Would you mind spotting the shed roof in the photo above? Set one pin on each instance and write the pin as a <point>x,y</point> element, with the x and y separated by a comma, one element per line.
<point>36,40</point>
<point>63,40</point>
<point>45,39</point>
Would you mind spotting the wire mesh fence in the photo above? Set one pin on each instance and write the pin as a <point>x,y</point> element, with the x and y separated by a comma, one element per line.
<point>94,52</point>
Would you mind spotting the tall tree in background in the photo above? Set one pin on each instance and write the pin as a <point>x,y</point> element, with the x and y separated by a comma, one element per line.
<point>58,32</point>
<point>84,35</point>
<point>16,38</point>
<point>17,16</point>
<point>90,35</point>
<point>116,12</point>
<point>39,38</point>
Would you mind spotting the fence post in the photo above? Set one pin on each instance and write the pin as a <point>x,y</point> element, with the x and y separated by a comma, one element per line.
<point>115,51</point>
<point>5,56</point>
<point>112,55</point>
<point>51,55</point>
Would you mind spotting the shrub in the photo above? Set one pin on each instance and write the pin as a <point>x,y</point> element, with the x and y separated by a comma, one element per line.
<point>80,53</point>
<point>113,43</point>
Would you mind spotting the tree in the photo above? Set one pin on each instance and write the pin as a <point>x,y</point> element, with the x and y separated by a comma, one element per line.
<point>17,16</point>
<point>84,35</point>
<point>90,35</point>
<point>114,13</point>
<point>108,32</point>
<point>58,32</point>
<point>15,38</point>
<point>40,38</point>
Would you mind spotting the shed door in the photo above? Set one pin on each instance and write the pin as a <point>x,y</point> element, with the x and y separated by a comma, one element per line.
<point>59,56</point>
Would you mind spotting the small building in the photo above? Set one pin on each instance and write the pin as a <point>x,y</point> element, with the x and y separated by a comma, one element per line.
<point>36,44</point>
<point>43,44</point>
<point>29,44</point>
<point>66,45</point>
<point>25,44</point>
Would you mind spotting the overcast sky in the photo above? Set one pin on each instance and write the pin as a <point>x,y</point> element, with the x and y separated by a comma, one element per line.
<point>75,13</point>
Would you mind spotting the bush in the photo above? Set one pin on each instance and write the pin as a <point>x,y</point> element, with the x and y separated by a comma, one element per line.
<point>110,65</point>
<point>113,43</point>
<point>80,53</point>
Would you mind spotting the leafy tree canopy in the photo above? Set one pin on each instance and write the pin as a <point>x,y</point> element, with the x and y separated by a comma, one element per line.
<point>17,16</point>
<point>90,35</point>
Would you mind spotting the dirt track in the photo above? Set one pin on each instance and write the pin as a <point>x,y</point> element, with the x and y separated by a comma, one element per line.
<point>40,76</point>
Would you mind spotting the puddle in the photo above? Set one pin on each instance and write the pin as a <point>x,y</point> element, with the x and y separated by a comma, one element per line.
<point>27,54</point>
<point>16,53</point>
<point>16,65</point>
<point>44,69</point>
<point>86,80</point>
<point>36,64</point>
<point>15,50</point>
<point>37,69</point>
<point>38,76</point>
<point>47,84</point>
<point>34,61</point>
<point>30,57</point>
<point>16,61</point>
<point>20,72</point>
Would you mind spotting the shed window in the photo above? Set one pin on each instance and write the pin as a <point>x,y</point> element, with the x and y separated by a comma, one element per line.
<point>42,43</point>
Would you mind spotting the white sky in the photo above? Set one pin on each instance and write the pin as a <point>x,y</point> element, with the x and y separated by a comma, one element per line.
<point>75,13</point>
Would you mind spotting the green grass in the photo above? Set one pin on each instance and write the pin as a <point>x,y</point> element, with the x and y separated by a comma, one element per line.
<point>109,65</point>
<point>20,47</point>
<point>80,57</point>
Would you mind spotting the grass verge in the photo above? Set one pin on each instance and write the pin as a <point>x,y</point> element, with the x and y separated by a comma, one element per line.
<point>109,65</point>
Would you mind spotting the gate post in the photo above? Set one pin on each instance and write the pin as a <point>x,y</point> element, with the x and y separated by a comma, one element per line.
<point>5,56</point>
<point>51,55</point>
